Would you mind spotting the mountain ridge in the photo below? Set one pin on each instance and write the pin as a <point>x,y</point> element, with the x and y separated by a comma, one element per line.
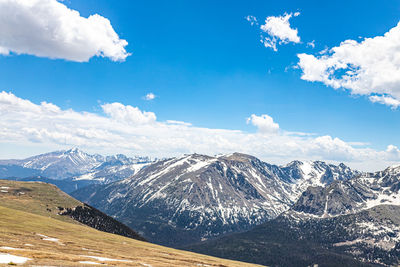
<point>74,165</point>
<point>206,196</point>
<point>357,218</point>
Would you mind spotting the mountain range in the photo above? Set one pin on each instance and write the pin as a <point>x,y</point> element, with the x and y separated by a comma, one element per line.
<point>72,169</point>
<point>187,199</point>
<point>236,206</point>
<point>355,219</point>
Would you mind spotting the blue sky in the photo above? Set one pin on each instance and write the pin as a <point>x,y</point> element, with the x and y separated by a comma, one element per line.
<point>206,65</point>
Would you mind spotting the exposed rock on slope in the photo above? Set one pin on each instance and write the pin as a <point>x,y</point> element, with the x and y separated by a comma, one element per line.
<point>344,197</point>
<point>357,218</point>
<point>202,197</point>
<point>113,168</point>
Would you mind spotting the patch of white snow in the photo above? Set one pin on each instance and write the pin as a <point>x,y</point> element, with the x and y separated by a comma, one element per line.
<point>8,258</point>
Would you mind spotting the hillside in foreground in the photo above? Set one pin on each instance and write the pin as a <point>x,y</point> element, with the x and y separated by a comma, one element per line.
<point>29,231</point>
<point>47,200</point>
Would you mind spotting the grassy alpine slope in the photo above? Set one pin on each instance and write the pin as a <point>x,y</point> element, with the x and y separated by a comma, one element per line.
<point>28,229</point>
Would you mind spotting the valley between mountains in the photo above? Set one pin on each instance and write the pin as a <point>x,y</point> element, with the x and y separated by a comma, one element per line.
<point>236,206</point>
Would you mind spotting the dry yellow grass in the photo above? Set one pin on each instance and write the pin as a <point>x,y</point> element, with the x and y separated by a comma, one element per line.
<point>22,229</point>
<point>36,197</point>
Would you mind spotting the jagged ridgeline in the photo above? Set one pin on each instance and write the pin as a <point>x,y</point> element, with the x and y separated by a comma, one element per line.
<point>72,169</point>
<point>184,200</point>
<point>347,223</point>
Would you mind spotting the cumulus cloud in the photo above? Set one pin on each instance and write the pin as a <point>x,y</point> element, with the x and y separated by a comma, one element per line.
<point>279,31</point>
<point>126,129</point>
<point>369,67</point>
<point>128,114</point>
<point>264,123</point>
<point>385,100</point>
<point>149,96</point>
<point>48,28</point>
<point>393,152</point>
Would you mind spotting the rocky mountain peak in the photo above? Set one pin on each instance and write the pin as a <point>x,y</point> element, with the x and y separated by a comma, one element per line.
<point>205,196</point>
<point>77,164</point>
<point>239,157</point>
<point>73,150</point>
<point>393,170</point>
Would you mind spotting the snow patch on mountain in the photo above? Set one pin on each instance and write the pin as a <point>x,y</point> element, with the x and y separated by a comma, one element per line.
<point>211,195</point>
<point>77,165</point>
<point>342,197</point>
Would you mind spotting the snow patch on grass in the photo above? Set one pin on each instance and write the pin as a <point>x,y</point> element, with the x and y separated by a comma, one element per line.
<point>51,239</point>
<point>104,259</point>
<point>8,258</point>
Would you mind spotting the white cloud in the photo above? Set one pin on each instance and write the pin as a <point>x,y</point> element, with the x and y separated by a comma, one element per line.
<point>369,67</point>
<point>48,28</point>
<point>385,100</point>
<point>127,129</point>
<point>252,20</point>
<point>264,123</point>
<point>393,151</point>
<point>311,44</point>
<point>128,114</point>
<point>149,96</point>
<point>178,122</point>
<point>279,31</point>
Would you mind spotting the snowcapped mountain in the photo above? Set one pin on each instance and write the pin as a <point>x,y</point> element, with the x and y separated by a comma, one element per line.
<point>60,164</point>
<point>354,222</point>
<point>350,196</point>
<point>202,197</point>
<point>367,208</point>
<point>74,164</point>
<point>114,168</point>
<point>303,174</point>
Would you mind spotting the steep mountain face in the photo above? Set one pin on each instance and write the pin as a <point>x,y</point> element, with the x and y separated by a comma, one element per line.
<point>303,174</point>
<point>114,168</point>
<point>59,164</point>
<point>75,165</point>
<point>357,218</point>
<point>202,197</point>
<point>351,196</point>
